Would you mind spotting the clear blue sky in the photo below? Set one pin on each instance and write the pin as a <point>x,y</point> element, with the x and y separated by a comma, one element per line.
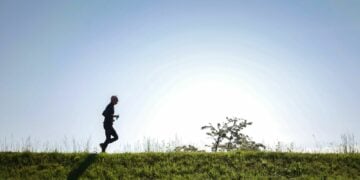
<point>291,67</point>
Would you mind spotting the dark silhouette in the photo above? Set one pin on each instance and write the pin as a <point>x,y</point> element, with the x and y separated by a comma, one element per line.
<point>77,172</point>
<point>108,123</point>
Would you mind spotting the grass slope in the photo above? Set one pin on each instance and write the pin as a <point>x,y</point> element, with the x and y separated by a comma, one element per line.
<point>232,165</point>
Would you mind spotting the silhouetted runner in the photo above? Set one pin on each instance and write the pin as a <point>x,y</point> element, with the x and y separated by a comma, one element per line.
<point>108,123</point>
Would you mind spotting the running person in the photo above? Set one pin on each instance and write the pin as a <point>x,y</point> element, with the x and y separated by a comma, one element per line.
<point>108,123</point>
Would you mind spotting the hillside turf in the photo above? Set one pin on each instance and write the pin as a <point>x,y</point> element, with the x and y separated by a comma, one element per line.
<point>201,165</point>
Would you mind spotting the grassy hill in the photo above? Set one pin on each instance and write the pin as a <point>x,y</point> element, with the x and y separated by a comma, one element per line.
<point>200,165</point>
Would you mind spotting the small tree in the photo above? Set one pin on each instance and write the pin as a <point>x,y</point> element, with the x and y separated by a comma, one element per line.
<point>230,132</point>
<point>188,148</point>
<point>217,133</point>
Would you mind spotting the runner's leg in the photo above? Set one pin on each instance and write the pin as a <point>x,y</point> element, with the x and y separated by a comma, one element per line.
<point>114,134</point>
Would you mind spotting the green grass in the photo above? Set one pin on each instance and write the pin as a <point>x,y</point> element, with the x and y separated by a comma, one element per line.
<point>233,165</point>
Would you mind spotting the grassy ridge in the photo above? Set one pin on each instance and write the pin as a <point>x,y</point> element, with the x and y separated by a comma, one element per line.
<point>178,165</point>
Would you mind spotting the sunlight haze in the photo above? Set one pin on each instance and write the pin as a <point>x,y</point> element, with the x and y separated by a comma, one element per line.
<point>290,67</point>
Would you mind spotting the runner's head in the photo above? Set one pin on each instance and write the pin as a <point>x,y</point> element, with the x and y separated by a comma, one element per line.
<point>114,99</point>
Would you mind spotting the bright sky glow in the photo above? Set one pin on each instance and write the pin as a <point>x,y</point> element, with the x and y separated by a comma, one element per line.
<point>290,67</point>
